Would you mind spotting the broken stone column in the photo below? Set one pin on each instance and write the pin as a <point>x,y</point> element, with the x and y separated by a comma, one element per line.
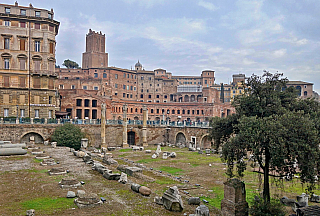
<point>172,199</point>
<point>234,202</point>
<point>144,126</point>
<point>125,135</point>
<point>202,210</point>
<point>103,125</point>
<point>89,200</point>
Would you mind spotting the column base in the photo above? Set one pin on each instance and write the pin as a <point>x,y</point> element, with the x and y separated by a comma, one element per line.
<point>145,144</point>
<point>125,145</point>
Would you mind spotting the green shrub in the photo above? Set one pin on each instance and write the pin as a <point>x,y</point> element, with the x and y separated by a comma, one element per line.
<point>262,208</point>
<point>68,135</point>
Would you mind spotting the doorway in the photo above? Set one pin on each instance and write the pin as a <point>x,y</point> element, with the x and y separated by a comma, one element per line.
<point>131,138</point>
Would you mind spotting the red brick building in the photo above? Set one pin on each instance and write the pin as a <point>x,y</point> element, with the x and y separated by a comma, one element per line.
<point>175,98</point>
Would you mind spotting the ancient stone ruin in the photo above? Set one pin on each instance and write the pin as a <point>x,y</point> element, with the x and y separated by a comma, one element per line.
<point>88,200</point>
<point>234,202</point>
<point>172,199</point>
<point>69,182</point>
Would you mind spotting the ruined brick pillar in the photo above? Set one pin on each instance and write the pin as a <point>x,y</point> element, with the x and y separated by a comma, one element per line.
<point>124,134</point>
<point>234,202</point>
<point>103,125</point>
<point>144,127</point>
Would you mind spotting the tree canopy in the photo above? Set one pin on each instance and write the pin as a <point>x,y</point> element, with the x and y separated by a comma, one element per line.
<point>68,135</point>
<point>279,129</point>
<point>70,64</point>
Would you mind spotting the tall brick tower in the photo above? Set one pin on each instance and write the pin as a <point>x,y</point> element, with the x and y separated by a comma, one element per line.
<point>95,55</point>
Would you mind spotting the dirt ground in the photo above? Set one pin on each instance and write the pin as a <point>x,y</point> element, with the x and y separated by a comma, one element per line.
<point>25,184</point>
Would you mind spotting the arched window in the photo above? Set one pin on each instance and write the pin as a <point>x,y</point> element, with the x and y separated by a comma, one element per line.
<point>131,110</point>
<point>141,110</point>
<point>299,90</point>
<point>136,110</point>
<point>305,93</point>
<point>173,111</point>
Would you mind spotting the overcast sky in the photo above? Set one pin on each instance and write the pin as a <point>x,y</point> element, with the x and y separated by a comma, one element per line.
<point>188,36</point>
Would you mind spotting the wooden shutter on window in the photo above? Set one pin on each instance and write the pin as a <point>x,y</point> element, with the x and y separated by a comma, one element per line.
<point>37,65</point>
<point>36,82</point>
<point>6,81</point>
<point>51,47</point>
<point>22,64</point>
<point>22,82</point>
<point>22,44</point>
<point>51,86</point>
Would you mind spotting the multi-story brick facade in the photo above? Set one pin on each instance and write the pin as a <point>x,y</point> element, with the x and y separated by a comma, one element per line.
<point>27,65</point>
<point>177,98</point>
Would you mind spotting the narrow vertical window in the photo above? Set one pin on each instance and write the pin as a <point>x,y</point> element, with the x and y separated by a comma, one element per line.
<point>37,46</point>
<point>36,113</point>
<point>22,44</point>
<point>7,43</point>
<point>6,63</point>
<point>51,48</point>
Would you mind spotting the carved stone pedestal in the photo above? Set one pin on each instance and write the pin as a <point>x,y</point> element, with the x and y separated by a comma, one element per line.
<point>234,202</point>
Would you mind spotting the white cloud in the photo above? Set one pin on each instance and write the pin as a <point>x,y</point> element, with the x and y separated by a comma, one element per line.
<point>208,5</point>
<point>279,53</point>
<point>145,3</point>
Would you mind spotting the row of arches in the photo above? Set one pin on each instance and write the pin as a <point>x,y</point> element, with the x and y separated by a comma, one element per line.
<point>132,138</point>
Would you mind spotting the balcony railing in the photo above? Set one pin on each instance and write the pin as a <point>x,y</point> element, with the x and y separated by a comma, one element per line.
<point>11,120</point>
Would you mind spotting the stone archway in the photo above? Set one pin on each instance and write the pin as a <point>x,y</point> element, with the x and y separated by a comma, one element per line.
<point>180,138</point>
<point>38,138</point>
<point>205,142</point>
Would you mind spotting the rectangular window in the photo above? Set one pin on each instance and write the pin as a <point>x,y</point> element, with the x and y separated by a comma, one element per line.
<point>72,87</point>
<point>36,99</point>
<point>36,113</point>
<point>94,103</point>
<point>7,23</point>
<point>7,10</point>
<point>95,75</point>
<point>49,16</point>
<point>61,87</point>
<point>6,63</point>
<point>116,76</point>
<point>37,46</point>
<point>22,44</point>
<point>7,43</point>
<point>104,75</point>
<point>124,75</point>
<point>22,64</point>
<point>22,24</point>
<point>6,98</point>
<point>86,102</point>
<point>6,112</point>
<point>124,87</point>
<point>124,95</point>
<point>22,99</point>
<point>36,82</point>
<point>37,25</point>
<point>37,13</point>
<point>50,99</point>
<point>36,65</point>
<point>22,113</point>
<point>94,114</point>
<point>6,81</point>
<point>86,113</point>
<point>79,102</point>
<point>23,12</point>
<point>51,28</point>
<point>79,113</point>
<point>51,86</point>
<point>84,87</point>
<point>116,85</point>
<point>51,48</point>
<point>95,88</point>
<point>50,114</point>
<point>22,82</point>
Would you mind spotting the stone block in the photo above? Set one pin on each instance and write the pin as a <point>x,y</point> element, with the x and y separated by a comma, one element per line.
<point>30,212</point>
<point>71,194</point>
<point>89,200</point>
<point>145,191</point>
<point>135,187</point>
<point>234,202</point>
<point>172,200</point>
<point>131,170</point>
<point>202,210</point>
<point>111,176</point>
<point>194,201</point>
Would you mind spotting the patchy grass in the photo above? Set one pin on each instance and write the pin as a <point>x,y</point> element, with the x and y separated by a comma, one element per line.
<point>166,181</point>
<point>171,170</point>
<point>47,205</point>
<point>37,171</point>
<point>215,199</point>
<point>14,158</point>
<point>125,150</point>
<point>149,160</point>
<point>37,160</point>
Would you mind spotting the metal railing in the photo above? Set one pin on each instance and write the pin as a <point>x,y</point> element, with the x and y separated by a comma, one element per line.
<point>159,123</point>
